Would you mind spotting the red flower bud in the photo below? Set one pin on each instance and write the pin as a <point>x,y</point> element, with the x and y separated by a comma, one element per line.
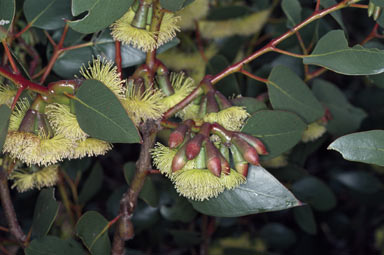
<point>193,146</point>
<point>213,161</point>
<point>254,142</point>
<point>212,105</point>
<point>177,136</point>
<point>241,165</point>
<point>249,153</point>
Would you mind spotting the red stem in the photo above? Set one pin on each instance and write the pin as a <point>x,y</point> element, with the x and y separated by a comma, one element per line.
<point>10,58</point>
<point>118,59</point>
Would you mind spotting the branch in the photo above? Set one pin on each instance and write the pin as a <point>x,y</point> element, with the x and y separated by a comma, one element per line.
<point>9,210</point>
<point>124,229</point>
<point>271,46</point>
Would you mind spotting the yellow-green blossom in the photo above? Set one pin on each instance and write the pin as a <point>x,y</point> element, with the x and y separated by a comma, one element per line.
<point>28,179</point>
<point>7,93</point>
<point>313,132</point>
<point>90,147</point>
<point>231,118</point>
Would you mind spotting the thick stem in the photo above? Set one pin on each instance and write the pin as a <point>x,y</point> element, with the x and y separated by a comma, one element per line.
<point>118,58</point>
<point>9,210</point>
<point>124,228</point>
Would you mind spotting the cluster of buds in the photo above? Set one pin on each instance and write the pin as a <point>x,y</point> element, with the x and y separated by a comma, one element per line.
<point>203,161</point>
<point>207,153</point>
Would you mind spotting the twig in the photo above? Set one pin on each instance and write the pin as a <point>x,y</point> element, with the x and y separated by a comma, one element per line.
<point>124,229</point>
<point>9,56</point>
<point>9,210</point>
<point>118,59</point>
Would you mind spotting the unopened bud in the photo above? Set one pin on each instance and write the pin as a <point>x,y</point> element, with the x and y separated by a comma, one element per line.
<point>249,153</point>
<point>254,142</point>
<point>180,159</point>
<point>212,158</point>
<point>178,135</point>
<point>241,165</point>
<point>193,146</point>
<point>212,105</point>
<point>223,102</point>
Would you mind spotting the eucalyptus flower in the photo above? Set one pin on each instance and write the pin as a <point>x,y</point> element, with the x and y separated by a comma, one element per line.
<point>27,179</point>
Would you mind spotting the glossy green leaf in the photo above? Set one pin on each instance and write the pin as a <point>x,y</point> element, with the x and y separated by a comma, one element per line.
<point>101,115</point>
<point>46,209</point>
<point>251,104</point>
<point>7,13</point>
<point>346,118</point>
<point>366,147</point>
<point>148,193</point>
<point>229,85</point>
<point>304,218</point>
<point>47,14</point>
<point>54,245</point>
<point>277,236</point>
<point>292,9</point>
<point>315,192</point>
<point>278,130</point>
<point>360,181</point>
<point>100,14</point>
<point>288,92</point>
<point>332,52</point>
<point>92,184</point>
<point>336,15</point>
<point>92,229</point>
<point>5,114</point>
<point>261,193</point>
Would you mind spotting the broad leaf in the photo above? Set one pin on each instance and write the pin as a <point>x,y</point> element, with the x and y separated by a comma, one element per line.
<point>100,14</point>
<point>314,192</point>
<point>332,52</point>
<point>346,118</point>
<point>278,130</point>
<point>378,80</point>
<point>7,13</point>
<point>229,85</point>
<point>148,193</point>
<point>92,185</point>
<point>304,218</point>
<point>378,2</point>
<point>46,209</point>
<point>336,15</point>
<point>292,9</point>
<point>54,245</point>
<point>92,229</point>
<point>360,181</point>
<point>101,115</point>
<point>5,114</point>
<point>288,92</point>
<point>366,147</point>
<point>47,14</point>
<point>261,193</point>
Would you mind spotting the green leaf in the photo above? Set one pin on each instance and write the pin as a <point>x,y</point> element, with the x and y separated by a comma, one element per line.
<point>101,115</point>
<point>332,52</point>
<point>288,92</point>
<point>47,14</point>
<point>261,193</point>
<point>346,118</point>
<point>7,13</point>
<point>366,147</point>
<point>278,130</point>
<point>148,193</point>
<point>304,218</point>
<point>92,185</point>
<point>378,2</point>
<point>92,229</point>
<point>252,105</point>
<point>292,9</point>
<point>362,182</point>
<point>277,236</point>
<point>100,14</point>
<point>46,209</point>
<point>314,192</point>
<point>54,245</point>
<point>5,114</point>
<point>229,85</point>
<point>336,15</point>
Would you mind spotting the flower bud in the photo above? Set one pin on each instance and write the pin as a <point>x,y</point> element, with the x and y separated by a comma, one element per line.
<point>212,158</point>
<point>254,142</point>
<point>177,136</point>
<point>180,158</point>
<point>194,145</point>
<point>222,101</point>
<point>224,159</point>
<point>249,153</point>
<point>241,165</point>
<point>212,105</point>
